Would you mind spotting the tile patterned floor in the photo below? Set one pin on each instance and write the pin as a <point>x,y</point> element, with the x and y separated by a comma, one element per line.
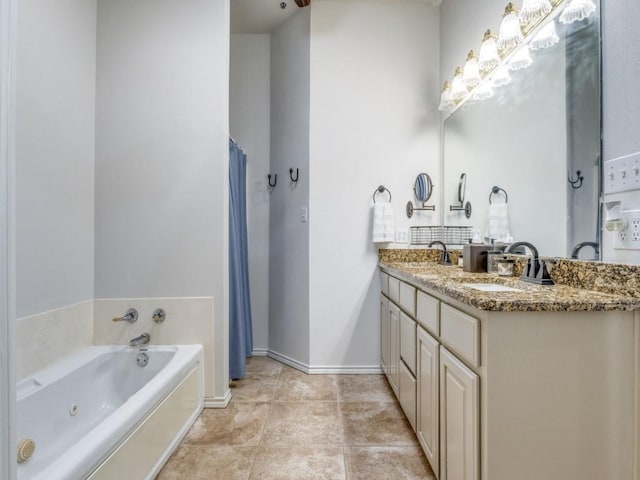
<point>283,424</point>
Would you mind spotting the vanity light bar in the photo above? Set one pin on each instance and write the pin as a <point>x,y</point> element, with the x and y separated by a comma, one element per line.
<point>530,28</point>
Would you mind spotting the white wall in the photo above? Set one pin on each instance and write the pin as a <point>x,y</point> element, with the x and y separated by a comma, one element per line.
<point>289,238</point>
<point>249,124</point>
<point>55,103</point>
<point>162,155</point>
<point>621,103</point>
<point>374,120</point>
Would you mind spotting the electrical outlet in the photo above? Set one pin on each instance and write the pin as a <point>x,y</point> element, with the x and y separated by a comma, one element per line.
<point>629,238</point>
<point>402,236</point>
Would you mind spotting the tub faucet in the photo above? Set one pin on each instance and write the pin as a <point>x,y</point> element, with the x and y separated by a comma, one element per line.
<point>444,257</point>
<point>536,270</point>
<point>581,245</point>
<point>140,340</point>
<point>130,316</point>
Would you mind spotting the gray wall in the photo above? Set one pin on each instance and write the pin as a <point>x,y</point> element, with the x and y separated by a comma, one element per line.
<point>55,125</point>
<point>162,154</point>
<point>289,238</point>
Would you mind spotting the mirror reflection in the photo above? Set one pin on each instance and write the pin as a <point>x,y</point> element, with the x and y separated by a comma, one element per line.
<point>531,138</point>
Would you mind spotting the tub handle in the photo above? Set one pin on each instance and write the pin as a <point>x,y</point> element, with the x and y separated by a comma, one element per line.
<point>159,315</point>
<point>130,316</point>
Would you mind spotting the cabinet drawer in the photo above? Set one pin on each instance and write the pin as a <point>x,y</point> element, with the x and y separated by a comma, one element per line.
<point>394,289</point>
<point>384,283</point>
<point>408,394</point>
<point>428,312</point>
<point>408,298</point>
<point>461,333</point>
<point>408,341</point>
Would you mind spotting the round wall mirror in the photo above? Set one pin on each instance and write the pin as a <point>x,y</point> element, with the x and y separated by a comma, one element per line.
<point>462,187</point>
<point>423,187</point>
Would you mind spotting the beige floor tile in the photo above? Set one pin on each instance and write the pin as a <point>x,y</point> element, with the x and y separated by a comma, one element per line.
<point>255,387</point>
<point>206,463</point>
<point>364,388</point>
<point>298,463</point>
<point>386,463</point>
<point>375,424</point>
<point>238,424</point>
<point>263,365</point>
<point>310,423</point>
<point>294,385</point>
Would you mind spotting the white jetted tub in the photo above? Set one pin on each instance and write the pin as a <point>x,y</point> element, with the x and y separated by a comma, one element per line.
<point>105,414</point>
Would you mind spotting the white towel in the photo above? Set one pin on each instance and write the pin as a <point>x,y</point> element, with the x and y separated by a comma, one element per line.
<point>498,224</point>
<point>383,227</point>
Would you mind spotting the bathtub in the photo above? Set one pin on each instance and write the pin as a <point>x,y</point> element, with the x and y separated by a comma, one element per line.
<point>101,415</point>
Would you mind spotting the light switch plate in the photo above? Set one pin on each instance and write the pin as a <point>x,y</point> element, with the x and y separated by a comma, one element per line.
<point>622,174</point>
<point>402,236</point>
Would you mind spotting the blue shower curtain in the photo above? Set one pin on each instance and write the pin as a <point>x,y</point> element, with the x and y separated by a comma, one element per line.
<point>240,330</point>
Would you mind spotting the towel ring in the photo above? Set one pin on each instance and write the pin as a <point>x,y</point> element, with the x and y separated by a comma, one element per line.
<point>495,191</point>
<point>381,189</point>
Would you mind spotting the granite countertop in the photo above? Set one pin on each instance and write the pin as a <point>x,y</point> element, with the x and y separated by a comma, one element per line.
<point>450,281</point>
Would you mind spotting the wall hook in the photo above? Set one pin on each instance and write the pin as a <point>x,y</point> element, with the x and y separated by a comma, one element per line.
<point>275,180</point>
<point>577,183</point>
<point>291,175</point>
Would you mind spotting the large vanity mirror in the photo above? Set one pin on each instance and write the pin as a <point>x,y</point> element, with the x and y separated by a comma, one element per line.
<point>531,139</point>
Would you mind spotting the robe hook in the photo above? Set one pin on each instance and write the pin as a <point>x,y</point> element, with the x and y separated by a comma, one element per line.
<point>295,180</point>
<point>275,180</point>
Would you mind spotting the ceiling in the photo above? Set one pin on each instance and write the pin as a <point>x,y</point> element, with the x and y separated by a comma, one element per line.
<point>264,16</point>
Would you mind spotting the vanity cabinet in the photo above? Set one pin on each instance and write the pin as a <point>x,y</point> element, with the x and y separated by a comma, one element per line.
<point>393,340</point>
<point>428,398</point>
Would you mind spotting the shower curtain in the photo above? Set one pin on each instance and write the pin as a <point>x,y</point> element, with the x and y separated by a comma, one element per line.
<point>240,330</point>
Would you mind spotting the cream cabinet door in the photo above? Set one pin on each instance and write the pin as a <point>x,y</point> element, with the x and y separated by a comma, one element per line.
<point>459,420</point>
<point>428,419</point>
<point>394,348</point>
<point>384,333</point>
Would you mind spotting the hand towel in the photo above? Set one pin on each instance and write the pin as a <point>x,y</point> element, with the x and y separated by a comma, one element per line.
<point>383,227</point>
<point>498,224</point>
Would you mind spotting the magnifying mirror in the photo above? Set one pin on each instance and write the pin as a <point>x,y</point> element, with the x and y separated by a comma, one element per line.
<point>423,189</point>
<point>462,188</point>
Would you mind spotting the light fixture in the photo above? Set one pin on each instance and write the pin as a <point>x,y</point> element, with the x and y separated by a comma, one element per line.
<point>483,92</point>
<point>458,88</point>
<point>501,77</point>
<point>445,98</point>
<point>510,31</point>
<point>545,38</point>
<point>521,59</point>
<point>489,56</point>
<point>577,10</point>
<point>533,9</point>
<point>471,72</point>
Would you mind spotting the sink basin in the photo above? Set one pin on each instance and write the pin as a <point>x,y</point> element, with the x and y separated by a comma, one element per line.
<point>491,287</point>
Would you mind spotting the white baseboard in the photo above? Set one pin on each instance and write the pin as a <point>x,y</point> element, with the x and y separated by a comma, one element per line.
<point>325,369</point>
<point>218,402</point>
<point>260,352</point>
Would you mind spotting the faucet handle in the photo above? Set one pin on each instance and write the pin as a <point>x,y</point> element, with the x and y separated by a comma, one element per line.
<point>130,316</point>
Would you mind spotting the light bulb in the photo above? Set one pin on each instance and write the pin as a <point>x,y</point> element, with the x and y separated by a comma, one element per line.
<point>510,30</point>
<point>577,10</point>
<point>501,77</point>
<point>445,98</point>
<point>489,56</point>
<point>545,38</point>
<point>483,92</point>
<point>533,9</point>
<point>471,72</point>
<point>521,59</point>
<point>458,88</point>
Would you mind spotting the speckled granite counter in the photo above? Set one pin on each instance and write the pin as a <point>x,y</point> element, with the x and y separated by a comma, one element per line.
<point>450,281</point>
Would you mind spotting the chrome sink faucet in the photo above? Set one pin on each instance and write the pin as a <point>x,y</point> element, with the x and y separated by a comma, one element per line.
<point>140,340</point>
<point>536,270</point>
<point>444,257</point>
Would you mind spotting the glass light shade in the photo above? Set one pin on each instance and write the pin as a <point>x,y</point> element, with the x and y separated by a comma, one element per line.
<point>577,10</point>
<point>521,59</point>
<point>545,38</point>
<point>533,9</point>
<point>483,92</point>
<point>489,56</point>
<point>458,88</point>
<point>445,98</point>
<point>510,30</point>
<point>501,77</point>
<point>471,72</point>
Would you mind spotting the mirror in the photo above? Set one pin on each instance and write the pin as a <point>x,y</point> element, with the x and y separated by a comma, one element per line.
<point>462,187</point>
<point>462,190</point>
<point>531,138</point>
<point>423,189</point>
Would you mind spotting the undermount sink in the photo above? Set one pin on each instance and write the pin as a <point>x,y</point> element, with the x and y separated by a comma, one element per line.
<point>491,287</point>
